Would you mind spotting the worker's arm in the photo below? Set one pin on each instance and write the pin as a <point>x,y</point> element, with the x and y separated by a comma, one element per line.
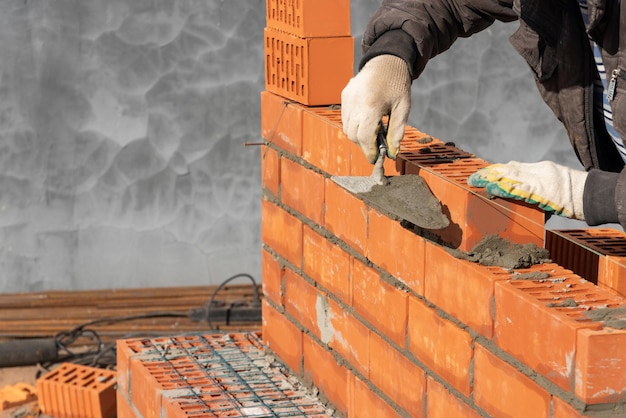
<point>428,27</point>
<point>596,197</point>
<point>399,40</point>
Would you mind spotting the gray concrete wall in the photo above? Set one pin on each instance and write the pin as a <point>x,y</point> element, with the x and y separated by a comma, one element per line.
<point>122,125</point>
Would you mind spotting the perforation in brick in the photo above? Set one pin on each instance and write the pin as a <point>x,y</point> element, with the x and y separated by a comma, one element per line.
<point>563,285</point>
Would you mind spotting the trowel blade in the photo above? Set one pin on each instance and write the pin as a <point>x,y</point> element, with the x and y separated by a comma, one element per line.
<point>356,184</point>
<point>407,197</point>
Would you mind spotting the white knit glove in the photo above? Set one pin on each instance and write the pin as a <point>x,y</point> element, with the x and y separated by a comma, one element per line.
<point>381,88</point>
<point>554,188</point>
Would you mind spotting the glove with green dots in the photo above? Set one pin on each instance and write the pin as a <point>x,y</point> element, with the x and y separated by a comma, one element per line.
<point>554,188</point>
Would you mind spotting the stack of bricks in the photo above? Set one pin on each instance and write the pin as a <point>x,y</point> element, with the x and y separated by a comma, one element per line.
<point>378,314</point>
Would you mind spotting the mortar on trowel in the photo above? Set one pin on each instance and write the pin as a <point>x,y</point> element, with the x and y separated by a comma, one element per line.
<point>407,196</point>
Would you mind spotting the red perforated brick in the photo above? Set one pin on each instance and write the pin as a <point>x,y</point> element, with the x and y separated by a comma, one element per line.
<point>373,296</point>
<point>443,404</point>
<point>303,190</point>
<point>322,369</point>
<point>597,254</point>
<point>472,214</point>
<point>12,396</point>
<point>281,122</point>
<point>366,403</point>
<point>309,18</point>
<point>537,321</point>
<point>270,168</point>
<point>311,71</point>
<point>282,337</point>
<point>560,409</point>
<point>219,375</point>
<point>398,251</point>
<point>74,390</point>
<point>282,232</point>
<point>612,274</point>
<point>327,264</point>
<point>345,334</point>
<point>440,344</point>
<point>461,288</point>
<point>346,216</point>
<point>324,144</point>
<point>272,278</point>
<point>601,365</point>
<point>396,376</point>
<point>503,391</point>
<point>301,301</point>
<point>124,408</point>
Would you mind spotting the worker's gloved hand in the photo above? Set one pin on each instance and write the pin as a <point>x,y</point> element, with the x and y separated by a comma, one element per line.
<point>382,87</point>
<point>554,188</point>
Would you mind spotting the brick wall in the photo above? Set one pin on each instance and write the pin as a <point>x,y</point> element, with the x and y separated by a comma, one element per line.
<point>378,315</point>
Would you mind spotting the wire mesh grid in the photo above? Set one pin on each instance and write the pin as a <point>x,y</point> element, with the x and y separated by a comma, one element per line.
<point>226,375</point>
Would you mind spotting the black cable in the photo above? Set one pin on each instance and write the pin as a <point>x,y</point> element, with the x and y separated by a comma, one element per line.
<point>255,288</point>
<point>97,356</point>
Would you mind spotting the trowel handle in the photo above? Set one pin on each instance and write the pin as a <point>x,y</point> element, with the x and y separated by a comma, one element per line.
<point>381,137</point>
<point>378,174</point>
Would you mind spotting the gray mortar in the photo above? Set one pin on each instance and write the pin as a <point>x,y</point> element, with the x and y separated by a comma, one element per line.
<point>409,198</point>
<point>533,275</point>
<point>565,303</point>
<point>611,317</point>
<point>494,250</point>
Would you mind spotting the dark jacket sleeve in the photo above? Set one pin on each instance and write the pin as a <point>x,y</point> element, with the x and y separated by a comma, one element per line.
<point>418,30</point>
<point>604,198</point>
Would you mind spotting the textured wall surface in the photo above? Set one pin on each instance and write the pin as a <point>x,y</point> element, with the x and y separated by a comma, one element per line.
<point>122,125</point>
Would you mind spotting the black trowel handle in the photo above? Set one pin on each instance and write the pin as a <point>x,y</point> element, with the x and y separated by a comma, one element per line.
<point>381,137</point>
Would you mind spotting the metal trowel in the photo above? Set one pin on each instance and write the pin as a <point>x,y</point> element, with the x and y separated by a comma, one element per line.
<point>407,197</point>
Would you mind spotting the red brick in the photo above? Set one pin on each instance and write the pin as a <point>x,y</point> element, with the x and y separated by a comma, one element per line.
<point>282,337</point>
<point>346,216</point>
<point>596,254</point>
<point>310,18</point>
<point>365,403</point>
<point>543,336</point>
<point>311,71</point>
<point>345,334</point>
<point>560,409</point>
<point>324,144</point>
<point>461,288</point>
<point>281,122</point>
<point>282,232</point>
<point>146,392</point>
<point>443,404</point>
<point>124,408</point>
<point>373,296</point>
<point>323,370</point>
<point>14,395</point>
<point>272,278</point>
<point>612,274</point>
<point>472,214</point>
<point>359,165</point>
<point>396,376</point>
<point>302,301</point>
<point>303,190</point>
<point>440,345</point>
<point>327,264</point>
<point>125,349</point>
<point>270,168</point>
<point>503,391</point>
<point>396,250</point>
<point>601,366</point>
<point>76,390</point>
